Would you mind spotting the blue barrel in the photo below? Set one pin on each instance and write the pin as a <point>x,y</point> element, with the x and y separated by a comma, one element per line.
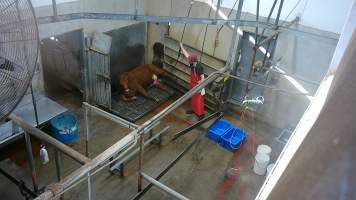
<point>64,128</point>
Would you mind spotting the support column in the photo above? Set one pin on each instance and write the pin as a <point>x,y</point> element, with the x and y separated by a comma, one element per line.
<point>90,192</point>
<point>218,5</point>
<point>140,160</point>
<point>55,12</point>
<point>57,158</point>
<point>87,130</point>
<point>31,161</point>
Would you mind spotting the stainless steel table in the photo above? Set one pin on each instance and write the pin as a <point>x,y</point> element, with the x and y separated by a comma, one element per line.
<point>47,109</point>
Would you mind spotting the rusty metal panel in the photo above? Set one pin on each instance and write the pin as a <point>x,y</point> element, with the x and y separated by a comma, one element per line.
<point>61,62</point>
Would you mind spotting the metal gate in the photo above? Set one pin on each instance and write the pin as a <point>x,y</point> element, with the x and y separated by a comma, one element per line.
<point>99,78</point>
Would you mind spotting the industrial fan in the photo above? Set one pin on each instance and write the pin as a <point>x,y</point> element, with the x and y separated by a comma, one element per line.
<point>18,52</point>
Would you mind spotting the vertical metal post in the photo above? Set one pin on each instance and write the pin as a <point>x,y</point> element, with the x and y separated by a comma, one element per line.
<point>87,130</point>
<point>140,160</point>
<point>269,42</point>
<point>31,161</point>
<point>87,133</point>
<point>232,62</point>
<point>218,5</point>
<point>58,164</point>
<point>257,20</point>
<point>90,192</point>
<point>85,67</point>
<point>167,168</point>
<point>276,22</point>
<point>136,9</point>
<point>279,13</point>
<point>234,34</point>
<point>57,158</point>
<point>254,52</point>
<point>271,11</point>
<point>34,104</point>
<point>54,7</point>
<point>265,56</point>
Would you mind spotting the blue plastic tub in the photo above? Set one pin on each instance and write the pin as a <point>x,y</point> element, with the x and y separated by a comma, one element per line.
<point>64,128</point>
<point>218,129</point>
<point>233,139</point>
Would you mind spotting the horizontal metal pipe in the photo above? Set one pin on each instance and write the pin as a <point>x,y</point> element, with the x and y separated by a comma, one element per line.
<point>147,18</point>
<point>266,86</point>
<point>181,20</point>
<point>111,117</point>
<point>193,126</point>
<point>163,187</point>
<point>133,153</point>
<point>47,138</point>
<point>291,75</point>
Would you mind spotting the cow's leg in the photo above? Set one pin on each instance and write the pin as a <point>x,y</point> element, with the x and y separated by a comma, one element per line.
<point>161,86</point>
<point>142,90</point>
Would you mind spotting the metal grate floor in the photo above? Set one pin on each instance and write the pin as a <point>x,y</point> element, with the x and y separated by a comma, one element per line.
<point>134,110</point>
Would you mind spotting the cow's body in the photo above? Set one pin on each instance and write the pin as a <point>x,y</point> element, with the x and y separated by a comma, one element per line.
<point>138,79</point>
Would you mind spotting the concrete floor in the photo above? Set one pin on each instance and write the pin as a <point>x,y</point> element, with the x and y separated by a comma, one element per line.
<point>202,174</point>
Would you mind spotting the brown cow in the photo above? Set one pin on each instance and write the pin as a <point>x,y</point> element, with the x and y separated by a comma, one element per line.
<point>137,79</point>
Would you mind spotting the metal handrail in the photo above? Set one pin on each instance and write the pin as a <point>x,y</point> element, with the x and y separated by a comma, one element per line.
<point>111,117</point>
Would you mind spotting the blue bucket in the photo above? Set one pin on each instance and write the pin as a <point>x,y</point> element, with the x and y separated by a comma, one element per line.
<point>64,128</point>
<point>233,139</point>
<point>218,129</point>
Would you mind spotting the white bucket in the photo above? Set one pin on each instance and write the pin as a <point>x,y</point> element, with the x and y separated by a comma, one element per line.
<point>261,162</point>
<point>264,149</point>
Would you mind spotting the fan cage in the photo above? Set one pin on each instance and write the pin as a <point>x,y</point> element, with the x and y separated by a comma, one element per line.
<point>19,44</point>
